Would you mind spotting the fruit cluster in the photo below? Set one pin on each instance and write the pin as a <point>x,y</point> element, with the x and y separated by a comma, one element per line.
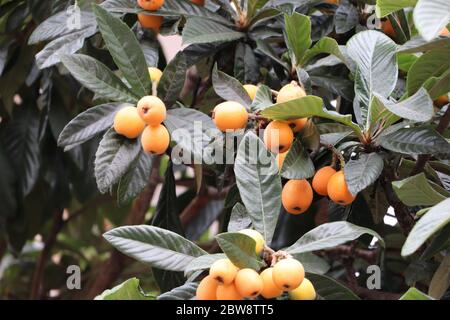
<point>154,22</point>
<point>145,120</point>
<point>227,282</point>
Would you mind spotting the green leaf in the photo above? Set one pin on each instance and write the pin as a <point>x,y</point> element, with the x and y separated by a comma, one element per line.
<point>441,279</point>
<point>229,88</point>
<point>297,165</point>
<point>259,184</point>
<point>329,235</point>
<point>297,35</point>
<point>125,50</point>
<point>324,45</point>
<point>198,30</point>
<point>88,124</point>
<point>430,223</point>
<point>417,140</point>
<point>95,76</point>
<point>305,107</point>
<point>263,98</point>
<point>438,86</point>
<point>375,56</point>
<point>186,292</point>
<point>113,158</point>
<point>414,294</point>
<point>430,17</point>
<point>431,64</point>
<point>239,218</point>
<point>418,191</point>
<point>346,18</point>
<point>405,61</point>
<point>386,7</point>
<point>202,263</point>
<point>267,50</point>
<point>329,289</point>
<point>240,249</point>
<point>135,179</point>
<point>128,290</point>
<point>362,172</point>
<point>312,263</point>
<point>418,44</point>
<point>173,79</point>
<point>155,246</point>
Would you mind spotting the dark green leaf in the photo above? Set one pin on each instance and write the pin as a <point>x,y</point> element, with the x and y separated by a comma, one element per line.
<point>199,30</point>
<point>362,172</point>
<point>239,218</point>
<point>297,165</point>
<point>229,88</point>
<point>185,292</point>
<point>172,80</point>
<point>128,290</point>
<point>240,249</point>
<point>330,289</point>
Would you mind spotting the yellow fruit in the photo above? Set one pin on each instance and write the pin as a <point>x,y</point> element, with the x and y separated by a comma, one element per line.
<point>289,92</point>
<point>278,136</point>
<point>230,115</point>
<point>228,292</point>
<point>251,90</point>
<point>255,235</point>
<point>270,290</point>
<point>248,283</point>
<point>128,123</point>
<point>321,178</point>
<point>150,4</point>
<point>155,74</point>
<point>305,291</point>
<point>280,159</point>
<point>150,22</point>
<point>297,196</point>
<point>297,124</point>
<point>207,288</point>
<point>223,271</point>
<point>155,139</point>
<point>288,274</point>
<point>152,110</point>
<point>338,190</point>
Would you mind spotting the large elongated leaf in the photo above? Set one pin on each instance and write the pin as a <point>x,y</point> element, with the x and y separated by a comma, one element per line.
<point>259,184</point>
<point>113,158</point>
<point>312,263</point>
<point>386,7</point>
<point>173,78</point>
<point>297,35</point>
<point>185,292</point>
<point>88,124</point>
<point>155,246</point>
<point>418,191</point>
<point>128,290</point>
<point>330,289</point>
<point>329,235</point>
<point>325,45</point>
<point>297,164</point>
<point>229,88</point>
<point>239,218</point>
<point>430,17</point>
<point>430,223</point>
<point>198,30</point>
<point>203,262</point>
<point>240,249</point>
<point>95,76</point>
<point>125,50</point>
<point>418,140</point>
<point>346,18</point>
<point>375,56</point>
<point>441,279</point>
<point>362,172</point>
<point>419,44</point>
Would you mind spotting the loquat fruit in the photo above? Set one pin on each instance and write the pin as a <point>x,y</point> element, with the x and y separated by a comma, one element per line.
<point>150,22</point>
<point>270,290</point>
<point>278,136</point>
<point>128,123</point>
<point>445,32</point>
<point>338,190</point>
<point>228,292</point>
<point>387,28</point>
<point>297,196</point>
<point>150,4</point>
<point>288,274</point>
<point>280,159</point>
<point>155,74</point>
<point>305,291</point>
<point>297,124</point>
<point>152,110</point>
<point>251,90</point>
<point>290,91</point>
<point>321,178</point>
<point>199,2</point>
<point>230,115</point>
<point>155,139</point>
<point>248,283</point>
<point>258,237</point>
<point>206,289</point>
<point>223,271</point>
<point>441,101</point>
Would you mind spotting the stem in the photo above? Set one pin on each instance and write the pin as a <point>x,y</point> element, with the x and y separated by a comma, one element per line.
<point>238,9</point>
<point>336,154</point>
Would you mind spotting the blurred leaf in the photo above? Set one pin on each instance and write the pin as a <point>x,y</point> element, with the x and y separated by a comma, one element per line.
<point>441,279</point>
<point>198,30</point>
<point>330,289</point>
<point>430,17</point>
<point>346,18</point>
<point>414,294</point>
<point>185,292</point>
<point>128,290</point>
<point>173,79</point>
<point>386,7</point>
<point>239,219</point>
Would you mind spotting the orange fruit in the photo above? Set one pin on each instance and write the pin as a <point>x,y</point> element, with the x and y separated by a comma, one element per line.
<point>288,274</point>
<point>150,22</point>
<point>297,196</point>
<point>305,291</point>
<point>297,124</point>
<point>251,90</point>
<point>387,28</point>
<point>155,139</point>
<point>223,271</point>
<point>228,292</point>
<point>128,123</point>
<point>207,288</point>
<point>152,110</point>
<point>199,2</point>
<point>280,159</point>
<point>230,115</point>
<point>270,290</point>
<point>338,190</point>
<point>321,178</point>
<point>150,4</point>
<point>441,101</point>
<point>278,136</point>
<point>289,92</point>
<point>248,283</point>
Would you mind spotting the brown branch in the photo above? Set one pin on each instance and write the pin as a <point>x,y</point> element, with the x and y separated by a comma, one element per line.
<point>424,158</point>
<point>369,294</point>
